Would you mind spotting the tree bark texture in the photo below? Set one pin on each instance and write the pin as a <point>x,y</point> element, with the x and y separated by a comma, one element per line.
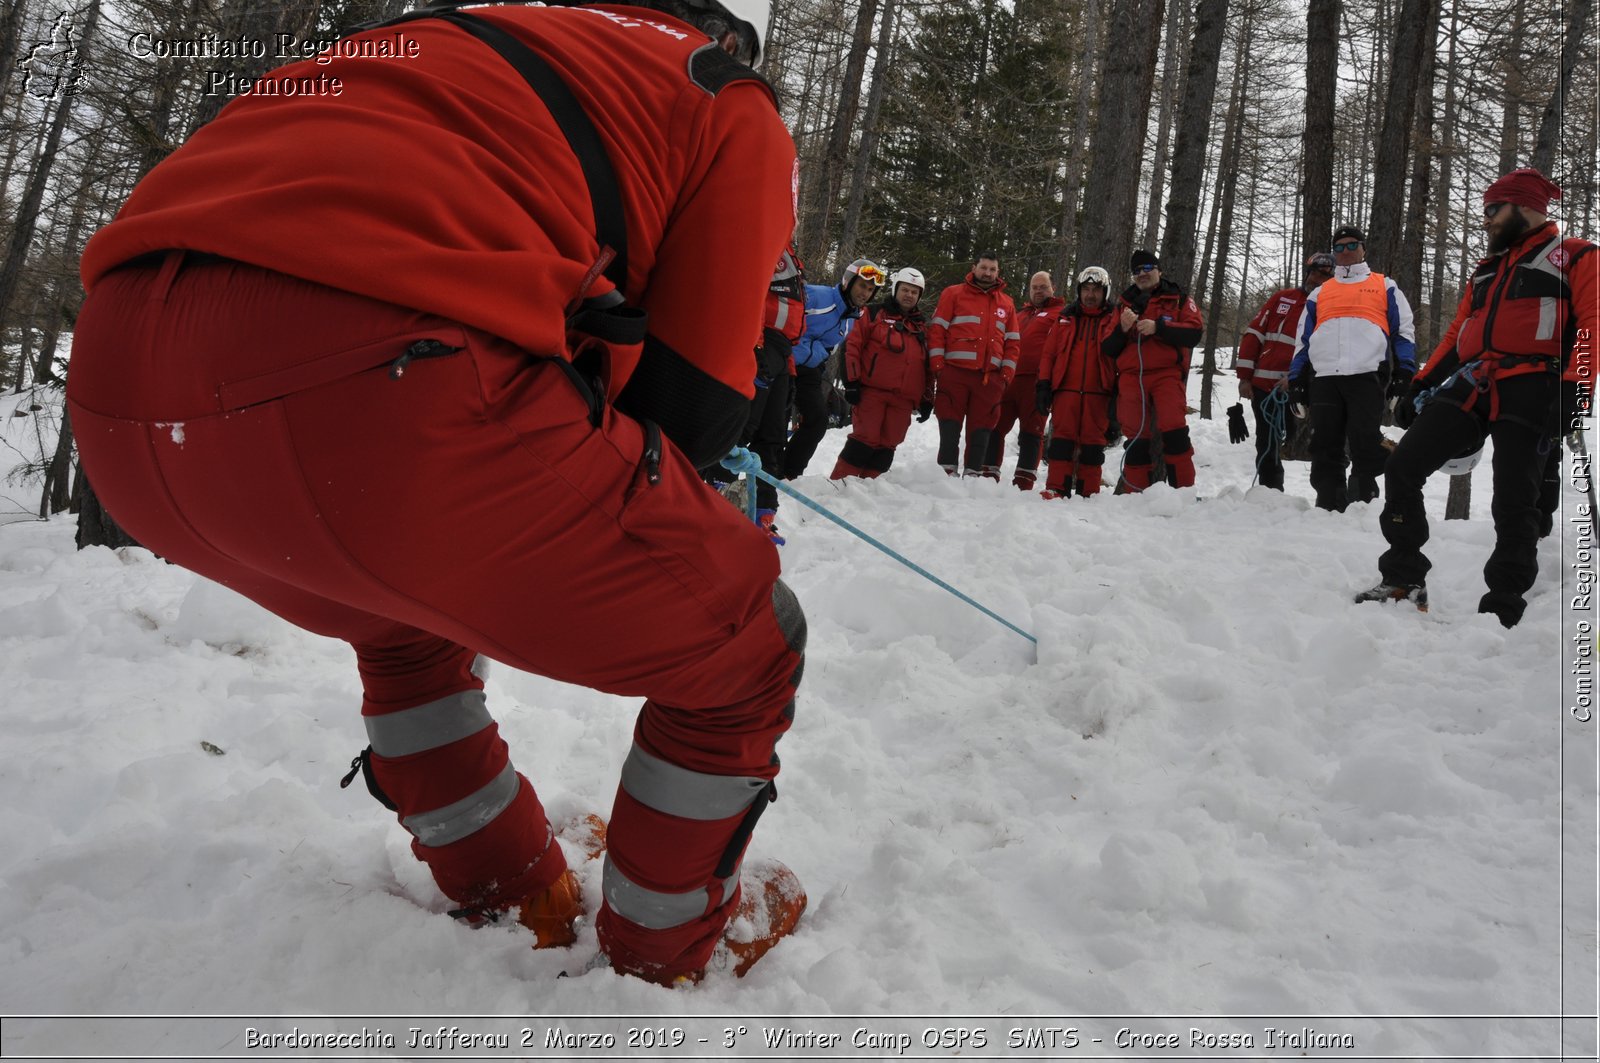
<point>1188,155</point>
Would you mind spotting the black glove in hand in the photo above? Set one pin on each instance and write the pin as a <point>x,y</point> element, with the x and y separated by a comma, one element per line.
<point>1300,391</point>
<point>1043,395</point>
<point>852,392</point>
<point>925,411</point>
<point>1400,381</point>
<point>1238,432</point>
<point>1405,411</point>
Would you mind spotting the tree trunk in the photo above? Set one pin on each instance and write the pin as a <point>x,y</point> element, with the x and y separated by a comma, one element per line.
<point>57,493</point>
<point>1316,141</point>
<point>1188,156</point>
<point>1544,150</point>
<point>1073,184</point>
<point>96,526</point>
<point>1511,87</point>
<point>1115,159</point>
<point>1230,183</point>
<point>1389,172</point>
<point>1172,72</point>
<point>1442,303</point>
<point>1458,503</point>
<point>818,213</point>
<point>1407,266</point>
<point>869,128</point>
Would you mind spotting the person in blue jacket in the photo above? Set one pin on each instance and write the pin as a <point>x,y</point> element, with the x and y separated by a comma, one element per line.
<point>830,312</point>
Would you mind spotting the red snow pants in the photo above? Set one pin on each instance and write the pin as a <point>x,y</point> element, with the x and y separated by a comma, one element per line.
<point>1078,425</point>
<point>878,425</point>
<point>1159,405</point>
<point>1018,403</point>
<point>971,396</point>
<point>257,429</point>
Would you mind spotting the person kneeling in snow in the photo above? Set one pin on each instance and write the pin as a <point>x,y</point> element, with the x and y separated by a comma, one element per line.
<point>423,413</point>
<point>886,378</point>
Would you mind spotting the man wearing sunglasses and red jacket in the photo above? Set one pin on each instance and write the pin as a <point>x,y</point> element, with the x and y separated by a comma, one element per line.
<point>1157,328</point>
<point>1516,366</point>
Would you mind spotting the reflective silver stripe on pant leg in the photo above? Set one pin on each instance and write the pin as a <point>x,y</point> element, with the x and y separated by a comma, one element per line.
<point>791,618</point>
<point>438,723</point>
<point>472,813</point>
<point>652,910</point>
<point>689,794</point>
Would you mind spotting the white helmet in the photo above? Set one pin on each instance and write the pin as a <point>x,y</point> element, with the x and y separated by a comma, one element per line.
<point>756,12</point>
<point>1463,463</point>
<point>907,275</point>
<point>863,267</point>
<point>1095,275</point>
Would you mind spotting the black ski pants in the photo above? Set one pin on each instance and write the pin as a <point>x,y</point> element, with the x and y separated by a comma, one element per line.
<point>1269,460</point>
<point>1521,437</point>
<point>811,403</point>
<point>1346,411</point>
<point>766,432</point>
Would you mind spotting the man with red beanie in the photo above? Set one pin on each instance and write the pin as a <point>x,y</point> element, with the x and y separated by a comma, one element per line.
<point>1157,328</point>
<point>1017,405</point>
<point>972,353</point>
<point>453,405</point>
<point>1516,366</point>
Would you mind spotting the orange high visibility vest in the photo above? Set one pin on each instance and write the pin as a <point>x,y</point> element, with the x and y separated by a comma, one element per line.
<point>1368,299</point>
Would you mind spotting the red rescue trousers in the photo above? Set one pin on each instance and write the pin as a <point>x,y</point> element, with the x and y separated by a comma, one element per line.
<point>1018,403</point>
<point>258,430</point>
<point>877,426</point>
<point>1155,403</point>
<point>971,396</point>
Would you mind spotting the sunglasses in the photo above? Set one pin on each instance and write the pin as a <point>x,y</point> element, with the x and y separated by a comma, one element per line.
<point>1145,269</point>
<point>1491,209</point>
<point>1351,246</point>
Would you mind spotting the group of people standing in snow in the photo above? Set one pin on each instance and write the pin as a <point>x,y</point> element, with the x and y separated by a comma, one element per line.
<point>981,365</point>
<point>1340,347</point>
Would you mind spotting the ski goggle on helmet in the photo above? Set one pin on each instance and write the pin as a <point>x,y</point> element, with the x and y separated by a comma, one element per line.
<point>863,267</point>
<point>1095,275</point>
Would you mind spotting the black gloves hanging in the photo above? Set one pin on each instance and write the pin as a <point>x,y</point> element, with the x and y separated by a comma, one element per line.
<point>852,392</point>
<point>925,410</point>
<point>1238,432</point>
<point>1043,395</point>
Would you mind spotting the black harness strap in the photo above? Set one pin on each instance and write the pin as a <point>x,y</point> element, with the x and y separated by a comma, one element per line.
<point>605,194</point>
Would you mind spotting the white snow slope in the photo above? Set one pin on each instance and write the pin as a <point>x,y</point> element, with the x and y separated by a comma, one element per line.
<point>1222,789</point>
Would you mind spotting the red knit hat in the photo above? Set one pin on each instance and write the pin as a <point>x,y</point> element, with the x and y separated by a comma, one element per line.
<point>1526,187</point>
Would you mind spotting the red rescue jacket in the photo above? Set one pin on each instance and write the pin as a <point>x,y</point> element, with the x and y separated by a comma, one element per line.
<point>1533,308</point>
<point>440,182</point>
<point>1035,323</point>
<point>1178,329</point>
<point>1073,359</point>
<point>975,328</point>
<point>888,350</point>
<point>1268,344</point>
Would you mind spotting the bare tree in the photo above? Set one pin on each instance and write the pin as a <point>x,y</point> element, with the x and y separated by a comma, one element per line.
<point>1118,143</point>
<point>1194,127</point>
<point>1316,152</point>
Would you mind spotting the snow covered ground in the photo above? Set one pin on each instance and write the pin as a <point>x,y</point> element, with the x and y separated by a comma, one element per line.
<point>1218,788</point>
